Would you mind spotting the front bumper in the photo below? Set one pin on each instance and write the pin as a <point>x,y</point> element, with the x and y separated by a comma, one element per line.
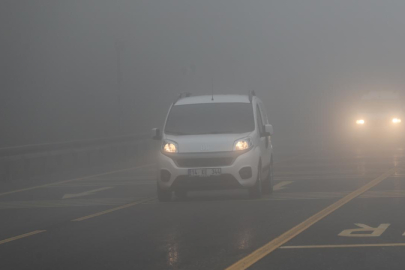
<point>229,162</point>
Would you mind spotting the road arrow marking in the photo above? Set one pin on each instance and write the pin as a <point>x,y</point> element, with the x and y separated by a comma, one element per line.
<point>281,185</point>
<point>365,231</point>
<point>68,196</point>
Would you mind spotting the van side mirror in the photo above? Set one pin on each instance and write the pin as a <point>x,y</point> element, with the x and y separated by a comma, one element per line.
<point>156,135</point>
<point>268,130</point>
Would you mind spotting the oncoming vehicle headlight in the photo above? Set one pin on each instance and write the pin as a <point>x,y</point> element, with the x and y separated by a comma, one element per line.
<point>170,147</point>
<point>242,144</point>
<point>396,120</point>
<point>360,122</point>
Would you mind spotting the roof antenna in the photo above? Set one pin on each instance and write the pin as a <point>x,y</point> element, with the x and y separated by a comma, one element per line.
<point>212,88</point>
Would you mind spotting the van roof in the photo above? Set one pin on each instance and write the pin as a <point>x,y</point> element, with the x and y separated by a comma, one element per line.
<point>217,99</point>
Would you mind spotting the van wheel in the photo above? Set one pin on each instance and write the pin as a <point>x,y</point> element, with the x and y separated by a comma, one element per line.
<point>255,192</point>
<point>163,195</point>
<point>181,194</point>
<point>268,184</point>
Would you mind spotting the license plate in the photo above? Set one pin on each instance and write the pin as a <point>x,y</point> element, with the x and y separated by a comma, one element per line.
<point>206,172</point>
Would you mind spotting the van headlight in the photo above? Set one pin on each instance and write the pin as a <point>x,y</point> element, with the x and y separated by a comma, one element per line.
<point>242,144</point>
<point>170,147</point>
<point>396,120</point>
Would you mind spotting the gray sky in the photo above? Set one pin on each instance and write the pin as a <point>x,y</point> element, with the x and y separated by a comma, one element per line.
<point>308,60</point>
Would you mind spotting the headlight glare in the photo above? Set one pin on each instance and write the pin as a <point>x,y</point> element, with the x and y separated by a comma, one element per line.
<point>360,122</point>
<point>170,147</point>
<point>396,120</point>
<point>243,144</point>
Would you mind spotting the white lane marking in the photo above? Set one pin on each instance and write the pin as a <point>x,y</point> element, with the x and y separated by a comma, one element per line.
<point>281,196</point>
<point>75,179</point>
<point>321,177</point>
<point>111,184</point>
<point>304,195</point>
<point>113,209</point>
<point>66,203</point>
<point>281,185</point>
<point>384,194</point>
<point>365,231</point>
<point>86,193</point>
<point>288,196</point>
<point>346,246</point>
<point>20,236</point>
<point>330,195</point>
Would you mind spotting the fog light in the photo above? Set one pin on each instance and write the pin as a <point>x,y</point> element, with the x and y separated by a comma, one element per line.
<point>165,175</point>
<point>245,173</point>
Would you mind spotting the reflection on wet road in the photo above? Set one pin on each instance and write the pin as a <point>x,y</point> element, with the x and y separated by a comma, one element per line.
<point>120,225</point>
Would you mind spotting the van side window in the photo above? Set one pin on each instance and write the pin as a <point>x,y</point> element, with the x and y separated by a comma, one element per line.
<point>259,120</point>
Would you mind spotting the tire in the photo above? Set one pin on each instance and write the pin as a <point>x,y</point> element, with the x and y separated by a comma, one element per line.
<point>255,192</point>
<point>163,195</point>
<point>268,184</point>
<point>181,194</point>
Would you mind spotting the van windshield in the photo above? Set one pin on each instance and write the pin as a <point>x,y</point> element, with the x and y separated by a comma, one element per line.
<point>210,118</point>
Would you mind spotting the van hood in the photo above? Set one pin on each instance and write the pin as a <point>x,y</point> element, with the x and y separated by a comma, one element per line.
<point>205,143</point>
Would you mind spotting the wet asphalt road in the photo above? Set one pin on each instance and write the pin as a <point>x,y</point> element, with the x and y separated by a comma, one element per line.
<point>113,221</point>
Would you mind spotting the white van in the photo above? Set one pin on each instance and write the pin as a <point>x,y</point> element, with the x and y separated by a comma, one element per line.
<point>215,142</point>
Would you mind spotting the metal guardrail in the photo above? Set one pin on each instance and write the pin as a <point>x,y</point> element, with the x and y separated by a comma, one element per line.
<point>30,161</point>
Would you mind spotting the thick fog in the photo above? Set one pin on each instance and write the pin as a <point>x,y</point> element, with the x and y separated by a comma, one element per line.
<point>72,69</point>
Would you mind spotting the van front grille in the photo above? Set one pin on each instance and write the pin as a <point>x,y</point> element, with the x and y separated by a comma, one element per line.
<point>204,162</point>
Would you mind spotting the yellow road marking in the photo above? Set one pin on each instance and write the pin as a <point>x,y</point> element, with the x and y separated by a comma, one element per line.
<point>112,210</point>
<point>281,185</point>
<point>20,236</point>
<point>258,254</point>
<point>72,180</point>
<point>346,246</point>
